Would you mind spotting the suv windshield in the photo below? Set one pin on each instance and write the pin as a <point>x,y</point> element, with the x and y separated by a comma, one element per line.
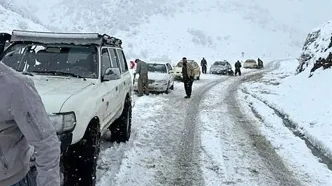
<point>179,64</point>
<point>250,61</point>
<point>219,63</point>
<point>161,68</point>
<point>60,60</point>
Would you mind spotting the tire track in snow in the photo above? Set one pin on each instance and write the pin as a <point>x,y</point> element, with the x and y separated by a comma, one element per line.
<point>188,165</point>
<point>265,150</point>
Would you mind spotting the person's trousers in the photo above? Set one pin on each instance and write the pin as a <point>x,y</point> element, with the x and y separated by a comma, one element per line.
<point>143,84</point>
<point>188,83</point>
<point>237,71</point>
<point>204,69</point>
<point>29,179</point>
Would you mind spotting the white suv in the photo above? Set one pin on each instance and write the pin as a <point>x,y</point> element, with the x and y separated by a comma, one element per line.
<point>85,85</point>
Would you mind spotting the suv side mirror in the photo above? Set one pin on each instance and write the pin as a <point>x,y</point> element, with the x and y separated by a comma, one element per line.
<point>112,74</point>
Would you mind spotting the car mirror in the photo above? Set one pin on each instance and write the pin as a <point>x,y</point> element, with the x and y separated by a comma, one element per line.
<point>112,74</point>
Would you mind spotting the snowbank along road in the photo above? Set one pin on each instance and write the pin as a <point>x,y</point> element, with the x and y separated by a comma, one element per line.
<point>206,140</point>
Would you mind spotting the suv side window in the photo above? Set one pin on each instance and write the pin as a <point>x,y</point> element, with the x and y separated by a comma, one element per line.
<point>169,67</point>
<point>105,61</point>
<point>114,58</point>
<point>123,62</point>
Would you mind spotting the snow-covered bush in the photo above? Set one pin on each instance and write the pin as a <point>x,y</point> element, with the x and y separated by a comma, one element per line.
<point>318,44</point>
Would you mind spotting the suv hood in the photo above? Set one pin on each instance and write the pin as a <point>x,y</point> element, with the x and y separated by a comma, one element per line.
<point>54,91</point>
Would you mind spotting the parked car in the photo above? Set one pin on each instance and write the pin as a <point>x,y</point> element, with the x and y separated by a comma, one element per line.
<point>221,67</point>
<point>160,77</point>
<point>178,70</point>
<point>85,85</point>
<point>250,63</point>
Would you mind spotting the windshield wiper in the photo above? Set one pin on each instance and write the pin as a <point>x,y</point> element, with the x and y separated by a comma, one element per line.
<point>27,73</point>
<point>53,72</point>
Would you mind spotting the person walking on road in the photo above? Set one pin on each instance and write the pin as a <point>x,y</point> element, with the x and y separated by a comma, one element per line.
<point>143,80</point>
<point>24,122</point>
<point>188,76</point>
<point>4,37</point>
<point>238,68</point>
<point>204,65</point>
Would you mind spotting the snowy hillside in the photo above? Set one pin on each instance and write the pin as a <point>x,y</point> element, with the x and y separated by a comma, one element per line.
<point>172,29</point>
<point>10,20</point>
<point>318,44</point>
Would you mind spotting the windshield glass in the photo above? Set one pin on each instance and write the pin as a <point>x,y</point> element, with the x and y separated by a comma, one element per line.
<point>60,60</point>
<point>179,64</point>
<point>161,68</point>
<point>219,63</point>
<point>250,61</point>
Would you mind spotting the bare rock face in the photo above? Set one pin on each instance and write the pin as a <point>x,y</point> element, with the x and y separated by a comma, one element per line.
<point>318,45</point>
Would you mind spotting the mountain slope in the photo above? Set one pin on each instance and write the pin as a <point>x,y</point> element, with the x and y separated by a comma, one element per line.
<point>10,20</point>
<point>171,29</point>
<point>318,44</point>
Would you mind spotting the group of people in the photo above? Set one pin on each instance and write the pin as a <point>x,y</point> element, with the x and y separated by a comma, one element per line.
<point>237,67</point>
<point>143,80</point>
<point>187,74</point>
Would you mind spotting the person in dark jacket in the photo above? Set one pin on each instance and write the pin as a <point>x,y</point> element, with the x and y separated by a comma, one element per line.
<point>4,37</point>
<point>188,76</point>
<point>24,122</point>
<point>204,65</point>
<point>238,68</point>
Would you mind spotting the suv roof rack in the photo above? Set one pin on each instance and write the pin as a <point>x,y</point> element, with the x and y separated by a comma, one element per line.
<point>65,38</point>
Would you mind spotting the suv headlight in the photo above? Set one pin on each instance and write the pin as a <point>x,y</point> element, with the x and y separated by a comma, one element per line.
<point>63,122</point>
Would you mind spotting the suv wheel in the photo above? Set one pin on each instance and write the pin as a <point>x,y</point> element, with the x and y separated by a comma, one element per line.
<point>80,160</point>
<point>167,89</point>
<point>172,87</point>
<point>121,128</point>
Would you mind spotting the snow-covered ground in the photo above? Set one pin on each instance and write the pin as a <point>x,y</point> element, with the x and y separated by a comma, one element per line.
<point>296,116</point>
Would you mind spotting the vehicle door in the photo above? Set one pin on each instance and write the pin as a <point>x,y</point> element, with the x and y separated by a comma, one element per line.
<point>125,75</point>
<point>109,89</point>
<point>116,64</point>
<point>125,71</point>
<point>170,73</point>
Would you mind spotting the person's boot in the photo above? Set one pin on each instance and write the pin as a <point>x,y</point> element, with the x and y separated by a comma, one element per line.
<point>187,97</point>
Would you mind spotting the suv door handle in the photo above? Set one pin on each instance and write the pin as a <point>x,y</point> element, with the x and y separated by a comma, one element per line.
<point>116,88</point>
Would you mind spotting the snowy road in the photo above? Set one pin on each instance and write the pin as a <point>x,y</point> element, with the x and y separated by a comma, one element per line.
<point>206,140</point>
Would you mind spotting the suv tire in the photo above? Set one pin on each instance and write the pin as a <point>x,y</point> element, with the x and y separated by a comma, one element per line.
<point>80,160</point>
<point>121,128</point>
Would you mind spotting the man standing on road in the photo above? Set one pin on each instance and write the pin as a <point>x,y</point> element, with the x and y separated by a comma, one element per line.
<point>4,37</point>
<point>143,80</point>
<point>188,76</point>
<point>238,68</point>
<point>24,122</point>
<point>204,65</point>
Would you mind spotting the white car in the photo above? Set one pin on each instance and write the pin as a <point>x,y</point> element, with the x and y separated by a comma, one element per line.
<point>250,63</point>
<point>85,85</point>
<point>160,77</point>
<point>178,70</point>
